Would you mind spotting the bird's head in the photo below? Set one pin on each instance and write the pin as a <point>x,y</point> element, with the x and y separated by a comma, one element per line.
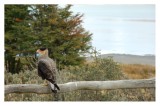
<point>42,52</point>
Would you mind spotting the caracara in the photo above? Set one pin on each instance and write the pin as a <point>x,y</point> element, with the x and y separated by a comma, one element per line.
<point>47,68</point>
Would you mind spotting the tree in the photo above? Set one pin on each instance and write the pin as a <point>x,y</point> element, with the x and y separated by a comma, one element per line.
<point>28,27</point>
<point>17,39</point>
<point>61,31</point>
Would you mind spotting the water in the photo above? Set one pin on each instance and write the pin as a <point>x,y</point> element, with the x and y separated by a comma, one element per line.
<point>128,29</point>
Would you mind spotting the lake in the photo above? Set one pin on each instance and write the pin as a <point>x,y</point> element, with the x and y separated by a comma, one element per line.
<point>127,29</point>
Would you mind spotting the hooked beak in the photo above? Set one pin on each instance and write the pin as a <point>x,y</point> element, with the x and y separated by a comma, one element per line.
<point>37,55</point>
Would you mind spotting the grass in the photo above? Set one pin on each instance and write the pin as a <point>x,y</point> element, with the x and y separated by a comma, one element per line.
<point>138,71</point>
<point>104,69</point>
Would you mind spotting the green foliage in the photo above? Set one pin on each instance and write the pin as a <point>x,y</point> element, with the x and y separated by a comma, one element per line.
<point>28,27</point>
<point>61,31</point>
<point>16,32</point>
<point>26,77</point>
<point>102,69</point>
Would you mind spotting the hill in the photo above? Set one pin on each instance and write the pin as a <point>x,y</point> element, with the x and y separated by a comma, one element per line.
<point>130,59</point>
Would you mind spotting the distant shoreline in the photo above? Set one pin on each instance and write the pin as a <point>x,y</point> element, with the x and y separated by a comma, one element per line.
<point>129,54</point>
<point>147,59</point>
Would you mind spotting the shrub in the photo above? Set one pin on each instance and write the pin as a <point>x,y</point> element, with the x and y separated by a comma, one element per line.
<point>101,69</point>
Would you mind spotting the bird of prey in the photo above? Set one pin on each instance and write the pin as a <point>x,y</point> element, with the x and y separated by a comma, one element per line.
<point>47,68</point>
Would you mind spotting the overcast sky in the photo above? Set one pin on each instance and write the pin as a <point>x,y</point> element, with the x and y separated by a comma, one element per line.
<point>128,29</point>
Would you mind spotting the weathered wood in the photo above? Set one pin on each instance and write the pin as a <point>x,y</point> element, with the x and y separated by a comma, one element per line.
<point>81,85</point>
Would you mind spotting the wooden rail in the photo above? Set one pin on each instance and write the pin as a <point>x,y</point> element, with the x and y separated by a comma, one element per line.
<point>81,85</point>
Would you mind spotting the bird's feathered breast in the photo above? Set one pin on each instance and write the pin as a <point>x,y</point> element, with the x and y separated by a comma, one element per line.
<point>46,68</point>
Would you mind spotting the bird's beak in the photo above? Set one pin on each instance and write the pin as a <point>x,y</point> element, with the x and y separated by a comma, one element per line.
<point>37,55</point>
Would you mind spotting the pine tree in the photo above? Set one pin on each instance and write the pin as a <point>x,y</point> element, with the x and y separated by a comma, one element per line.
<point>16,35</point>
<point>61,31</point>
<point>28,27</point>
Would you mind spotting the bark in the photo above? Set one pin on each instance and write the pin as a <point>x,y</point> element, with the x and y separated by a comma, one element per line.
<point>81,85</point>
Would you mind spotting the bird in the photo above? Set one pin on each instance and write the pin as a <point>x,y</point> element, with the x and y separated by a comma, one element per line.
<point>47,68</point>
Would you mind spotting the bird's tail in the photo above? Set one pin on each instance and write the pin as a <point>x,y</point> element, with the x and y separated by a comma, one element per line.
<point>54,87</point>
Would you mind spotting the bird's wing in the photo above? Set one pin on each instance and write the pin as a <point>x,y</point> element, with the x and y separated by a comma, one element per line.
<point>45,69</point>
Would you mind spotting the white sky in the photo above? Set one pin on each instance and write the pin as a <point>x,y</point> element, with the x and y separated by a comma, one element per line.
<point>113,27</point>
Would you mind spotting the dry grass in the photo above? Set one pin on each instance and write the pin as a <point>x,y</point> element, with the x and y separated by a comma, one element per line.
<point>99,70</point>
<point>138,71</point>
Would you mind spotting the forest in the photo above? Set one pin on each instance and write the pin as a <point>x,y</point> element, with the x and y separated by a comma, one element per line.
<point>29,27</point>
